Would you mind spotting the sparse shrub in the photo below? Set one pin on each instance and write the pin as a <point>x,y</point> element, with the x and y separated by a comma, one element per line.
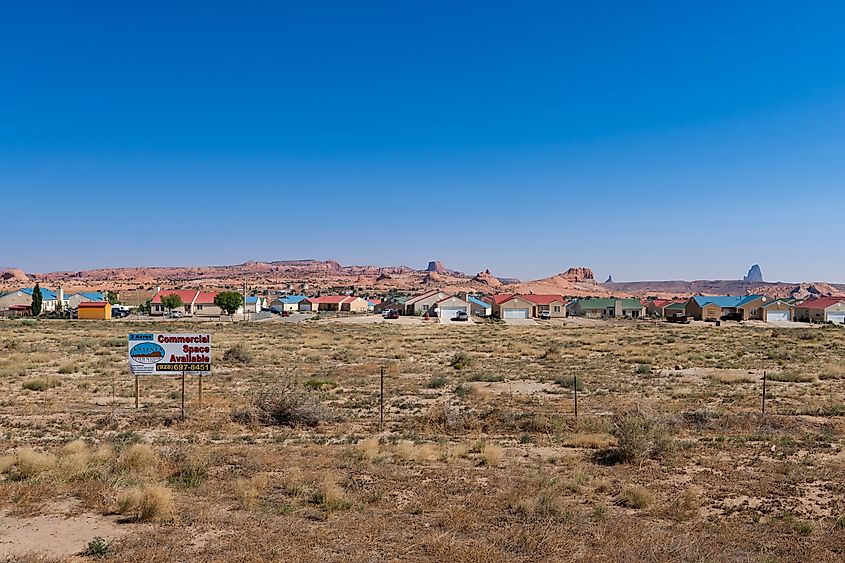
<point>138,457</point>
<point>436,382</point>
<point>461,360</point>
<point>369,448</point>
<point>492,455</point>
<point>191,474</point>
<point>643,369</point>
<point>791,377</point>
<point>41,384</point>
<point>330,495</point>
<point>320,384</point>
<point>103,454</point>
<point>406,450</point>
<point>75,457</point>
<point>684,506</point>
<point>639,437</point>
<point>589,440</point>
<point>569,382</point>
<point>833,372</point>
<point>248,491</point>
<point>31,463</point>
<point>151,502</point>
<point>67,368</point>
<point>634,496</point>
<point>458,451</point>
<point>290,405</point>
<point>7,462</point>
<point>238,354</point>
<point>97,547</point>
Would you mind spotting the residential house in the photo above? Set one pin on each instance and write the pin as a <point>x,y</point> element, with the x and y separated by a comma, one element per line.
<point>607,308</point>
<point>479,307</point>
<point>49,299</point>
<point>750,307</point>
<point>514,307</point>
<point>450,306</point>
<point>554,304</point>
<point>288,303</point>
<point>372,303</point>
<point>674,309</point>
<point>72,301</point>
<point>186,295</point>
<point>716,307</point>
<point>657,307</point>
<point>425,302</point>
<point>821,310</point>
<point>777,310</point>
<point>336,303</point>
<point>254,303</point>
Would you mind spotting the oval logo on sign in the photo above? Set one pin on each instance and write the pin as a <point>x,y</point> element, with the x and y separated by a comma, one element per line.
<point>147,353</point>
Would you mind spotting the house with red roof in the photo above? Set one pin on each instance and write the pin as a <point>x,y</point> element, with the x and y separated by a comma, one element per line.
<point>511,306</point>
<point>657,307</point>
<point>337,303</point>
<point>821,310</point>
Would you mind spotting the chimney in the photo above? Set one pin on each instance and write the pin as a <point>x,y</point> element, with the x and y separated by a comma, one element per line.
<point>61,297</point>
<point>158,289</point>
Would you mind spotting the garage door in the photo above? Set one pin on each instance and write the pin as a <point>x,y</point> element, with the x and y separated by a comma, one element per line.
<point>775,316</point>
<point>836,318</point>
<point>449,312</point>
<point>515,313</point>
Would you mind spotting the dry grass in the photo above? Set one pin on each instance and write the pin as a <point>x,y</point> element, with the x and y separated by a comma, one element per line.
<point>732,378</point>
<point>590,440</point>
<point>31,463</point>
<point>369,448</point>
<point>147,503</point>
<point>492,455</point>
<point>248,492</point>
<point>634,496</point>
<point>139,458</point>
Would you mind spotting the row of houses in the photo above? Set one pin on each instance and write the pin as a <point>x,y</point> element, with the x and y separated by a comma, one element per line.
<point>19,301</point>
<point>201,303</point>
<point>760,307</point>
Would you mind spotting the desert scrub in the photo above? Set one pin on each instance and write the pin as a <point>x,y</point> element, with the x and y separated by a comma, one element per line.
<point>461,360</point>
<point>238,354</point>
<point>436,382</point>
<point>40,384</point>
<point>248,492</point>
<point>151,502</point>
<point>569,382</point>
<point>288,404</point>
<point>138,458</point>
<point>791,377</point>
<point>639,436</point>
<point>634,496</point>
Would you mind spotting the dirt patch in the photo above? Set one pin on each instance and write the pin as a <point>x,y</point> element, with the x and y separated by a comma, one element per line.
<point>54,535</point>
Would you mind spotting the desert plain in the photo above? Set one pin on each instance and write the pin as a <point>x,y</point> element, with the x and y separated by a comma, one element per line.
<point>480,456</point>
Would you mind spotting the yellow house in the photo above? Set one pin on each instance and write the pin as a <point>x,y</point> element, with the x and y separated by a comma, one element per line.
<point>99,310</point>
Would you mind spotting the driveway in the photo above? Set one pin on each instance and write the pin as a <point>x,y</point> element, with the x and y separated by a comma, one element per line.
<point>520,322</point>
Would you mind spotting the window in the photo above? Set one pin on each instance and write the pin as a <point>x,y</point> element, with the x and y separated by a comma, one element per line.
<point>557,308</point>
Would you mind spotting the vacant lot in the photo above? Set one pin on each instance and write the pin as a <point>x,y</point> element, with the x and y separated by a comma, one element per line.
<point>481,457</point>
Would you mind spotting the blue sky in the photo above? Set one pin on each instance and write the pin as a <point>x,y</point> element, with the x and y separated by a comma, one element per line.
<point>650,140</point>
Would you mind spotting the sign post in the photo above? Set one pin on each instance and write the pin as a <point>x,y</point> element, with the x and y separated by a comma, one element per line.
<point>199,394</point>
<point>575,387</point>
<point>381,402</point>
<point>156,354</point>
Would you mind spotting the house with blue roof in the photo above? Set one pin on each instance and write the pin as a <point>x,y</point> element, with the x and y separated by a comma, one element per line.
<point>290,303</point>
<point>725,307</point>
<point>23,296</point>
<point>254,303</point>
<point>479,307</point>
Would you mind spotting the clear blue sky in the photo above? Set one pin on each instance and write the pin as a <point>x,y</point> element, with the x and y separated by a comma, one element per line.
<point>650,140</point>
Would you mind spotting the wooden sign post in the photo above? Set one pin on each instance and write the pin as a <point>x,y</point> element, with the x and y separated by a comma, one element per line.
<point>183,395</point>
<point>137,390</point>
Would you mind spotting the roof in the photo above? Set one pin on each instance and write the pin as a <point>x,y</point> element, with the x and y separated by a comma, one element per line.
<point>421,296</point>
<point>821,302</point>
<point>721,300</point>
<point>608,302</point>
<point>676,306</point>
<point>291,299</point>
<point>450,298</point>
<point>542,298</point>
<point>47,294</point>
<point>187,295</point>
<point>478,301</point>
<point>778,302</point>
<point>662,303</point>
<point>502,297</point>
<point>205,297</point>
<point>251,299</point>
<point>374,301</point>
<point>19,307</point>
<point>749,298</point>
<point>90,295</point>
<point>331,299</point>
<point>92,305</point>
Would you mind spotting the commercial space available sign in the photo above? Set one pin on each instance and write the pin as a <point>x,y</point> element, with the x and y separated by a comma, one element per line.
<point>161,353</point>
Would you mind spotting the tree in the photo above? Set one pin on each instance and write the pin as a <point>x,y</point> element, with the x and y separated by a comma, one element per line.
<point>112,297</point>
<point>37,300</point>
<point>229,301</point>
<point>172,301</point>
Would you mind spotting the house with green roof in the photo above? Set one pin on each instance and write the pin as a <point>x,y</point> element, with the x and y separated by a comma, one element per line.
<point>607,308</point>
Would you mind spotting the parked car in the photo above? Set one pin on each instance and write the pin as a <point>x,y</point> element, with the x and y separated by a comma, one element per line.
<point>175,314</point>
<point>545,315</point>
<point>275,310</point>
<point>391,314</point>
<point>119,313</point>
<point>285,313</point>
<point>460,316</point>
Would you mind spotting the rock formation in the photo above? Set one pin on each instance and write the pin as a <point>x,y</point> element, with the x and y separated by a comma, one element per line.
<point>578,275</point>
<point>13,274</point>
<point>609,279</point>
<point>435,266</point>
<point>755,275</point>
<point>487,279</point>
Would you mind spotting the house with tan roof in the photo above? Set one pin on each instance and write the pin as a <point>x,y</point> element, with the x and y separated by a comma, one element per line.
<point>336,303</point>
<point>425,302</point>
<point>554,304</point>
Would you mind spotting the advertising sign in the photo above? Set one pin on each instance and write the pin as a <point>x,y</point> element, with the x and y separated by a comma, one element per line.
<point>169,353</point>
